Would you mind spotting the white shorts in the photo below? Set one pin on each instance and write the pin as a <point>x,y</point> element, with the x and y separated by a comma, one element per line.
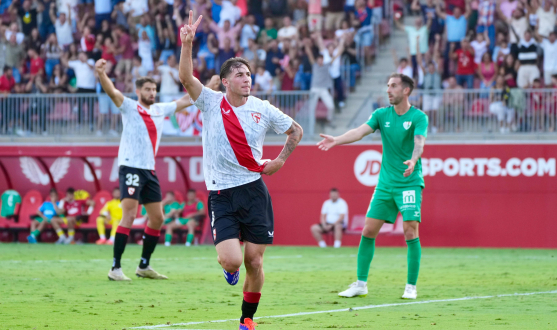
<point>431,102</point>
<point>501,111</point>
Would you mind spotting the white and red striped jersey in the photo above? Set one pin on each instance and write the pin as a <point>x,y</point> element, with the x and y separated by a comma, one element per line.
<point>142,132</point>
<point>233,138</point>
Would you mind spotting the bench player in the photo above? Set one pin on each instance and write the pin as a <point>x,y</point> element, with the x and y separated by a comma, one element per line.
<point>239,205</point>
<point>142,128</point>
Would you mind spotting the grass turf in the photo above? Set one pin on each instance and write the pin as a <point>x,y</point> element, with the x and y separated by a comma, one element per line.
<point>66,287</point>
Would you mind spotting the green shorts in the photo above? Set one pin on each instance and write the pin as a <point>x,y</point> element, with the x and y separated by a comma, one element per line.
<point>386,203</point>
<point>180,221</point>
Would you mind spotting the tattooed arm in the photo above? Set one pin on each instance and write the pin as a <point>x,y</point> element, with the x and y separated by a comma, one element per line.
<point>419,142</point>
<point>295,133</point>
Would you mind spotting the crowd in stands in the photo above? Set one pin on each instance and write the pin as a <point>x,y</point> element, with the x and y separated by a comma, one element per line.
<point>77,208</point>
<point>484,44</point>
<point>49,46</point>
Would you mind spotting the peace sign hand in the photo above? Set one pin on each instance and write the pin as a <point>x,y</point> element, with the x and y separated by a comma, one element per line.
<point>187,32</point>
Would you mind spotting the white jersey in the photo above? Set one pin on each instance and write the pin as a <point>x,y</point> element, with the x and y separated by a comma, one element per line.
<point>142,132</point>
<point>233,138</point>
<point>333,210</point>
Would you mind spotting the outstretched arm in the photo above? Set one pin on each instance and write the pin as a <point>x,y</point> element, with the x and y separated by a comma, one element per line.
<point>187,33</point>
<point>295,133</point>
<point>116,96</point>
<point>352,135</point>
<point>419,142</point>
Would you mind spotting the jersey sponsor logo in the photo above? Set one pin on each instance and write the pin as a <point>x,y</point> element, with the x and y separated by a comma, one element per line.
<point>367,167</point>
<point>131,190</point>
<point>256,116</point>
<point>493,167</point>
<point>409,197</point>
<point>407,124</point>
<point>226,112</point>
<point>271,233</point>
<point>388,124</point>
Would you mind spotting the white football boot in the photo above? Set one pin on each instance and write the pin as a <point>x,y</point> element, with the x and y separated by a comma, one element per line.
<point>410,292</point>
<point>355,290</point>
<point>117,275</point>
<point>149,273</point>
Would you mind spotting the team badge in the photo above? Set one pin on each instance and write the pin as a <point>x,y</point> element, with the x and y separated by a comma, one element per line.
<point>256,117</point>
<point>131,190</point>
<point>407,124</point>
<point>225,112</point>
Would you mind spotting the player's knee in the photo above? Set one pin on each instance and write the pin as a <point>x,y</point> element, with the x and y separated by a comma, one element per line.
<point>410,234</point>
<point>230,264</point>
<point>369,232</point>
<point>254,264</point>
<point>316,229</point>
<point>338,226</point>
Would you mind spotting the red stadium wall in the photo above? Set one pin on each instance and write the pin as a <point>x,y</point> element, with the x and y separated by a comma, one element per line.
<point>498,195</point>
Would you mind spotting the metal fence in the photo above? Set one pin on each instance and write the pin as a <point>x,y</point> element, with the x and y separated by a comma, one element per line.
<point>96,114</point>
<point>478,111</point>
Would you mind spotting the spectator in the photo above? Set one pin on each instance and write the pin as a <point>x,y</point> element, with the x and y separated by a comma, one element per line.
<point>34,41</point>
<point>226,32</point>
<point>14,30</point>
<point>499,104</point>
<point>263,80</point>
<point>106,106</point>
<point>124,49</point>
<point>137,71</point>
<point>501,50</point>
<point>62,26</point>
<point>167,38</point>
<point>487,71</point>
<point>456,29</point>
<point>518,24</point>
<point>46,25</point>
<point>47,214</point>
<point>269,32</point>
<point>321,81</point>
<point>549,46</point>
<point>528,58</point>
<point>145,25</point>
<point>344,29</point>
<point>547,16</point>
<point>36,63</point>
<point>335,15</point>
<point>14,51</point>
<point>108,50</point>
<point>288,31</point>
<point>453,104</point>
<point>465,63</point>
<point>273,57</point>
<point>230,12</point>
<point>27,15</point>
<point>136,8</point>
<point>486,21</point>
<point>509,71</point>
<point>432,83</point>
<point>249,32</point>
<point>170,81</point>
<point>103,10</point>
<point>250,53</point>
<point>507,8</point>
<point>334,218</point>
<point>110,214</point>
<point>84,70</point>
<point>480,46</point>
<point>402,65</point>
<point>119,17</point>
<point>144,51</point>
<point>419,30</point>
<point>287,82</point>
<point>73,210</point>
<point>216,9</point>
<point>277,8</point>
<point>334,69</point>
<point>350,51</point>
<point>300,12</point>
<point>105,29</point>
<point>58,79</point>
<point>7,81</point>
<point>87,41</point>
<point>362,13</point>
<point>225,53</point>
<point>428,10</point>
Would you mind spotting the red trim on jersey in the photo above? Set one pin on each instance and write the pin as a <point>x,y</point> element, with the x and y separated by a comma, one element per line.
<point>151,128</point>
<point>237,138</point>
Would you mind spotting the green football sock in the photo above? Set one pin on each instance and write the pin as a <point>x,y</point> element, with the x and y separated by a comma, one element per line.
<point>414,256</point>
<point>189,238</point>
<point>35,233</point>
<point>365,255</point>
<point>168,238</point>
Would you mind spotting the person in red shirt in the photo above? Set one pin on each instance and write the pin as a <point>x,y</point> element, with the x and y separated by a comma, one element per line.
<point>7,81</point>
<point>465,63</point>
<point>74,211</point>
<point>37,63</point>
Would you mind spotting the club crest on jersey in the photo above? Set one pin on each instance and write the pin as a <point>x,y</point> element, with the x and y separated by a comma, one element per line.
<point>256,117</point>
<point>407,124</point>
<point>131,190</point>
<point>225,112</point>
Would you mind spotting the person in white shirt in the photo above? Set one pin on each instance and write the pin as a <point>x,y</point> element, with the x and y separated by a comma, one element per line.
<point>170,80</point>
<point>249,31</point>
<point>234,128</point>
<point>480,45</point>
<point>84,71</point>
<point>263,80</point>
<point>288,31</point>
<point>230,12</point>
<point>549,46</point>
<point>334,218</point>
<point>14,29</point>
<point>142,129</point>
<point>62,26</point>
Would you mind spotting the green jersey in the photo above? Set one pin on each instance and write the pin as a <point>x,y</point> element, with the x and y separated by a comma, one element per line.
<point>397,135</point>
<point>172,206</point>
<point>10,199</point>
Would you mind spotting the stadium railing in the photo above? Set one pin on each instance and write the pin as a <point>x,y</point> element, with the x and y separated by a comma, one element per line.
<point>78,114</point>
<point>477,111</point>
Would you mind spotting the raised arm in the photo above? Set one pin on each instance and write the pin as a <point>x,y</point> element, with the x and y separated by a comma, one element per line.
<point>187,33</point>
<point>352,135</point>
<point>51,13</point>
<point>309,52</point>
<point>159,28</point>
<point>419,143</point>
<point>295,133</point>
<point>170,28</point>
<point>416,5</point>
<point>339,50</point>
<point>107,85</point>
<point>419,54</point>
<point>439,11</point>
<point>537,35</point>
<point>467,9</point>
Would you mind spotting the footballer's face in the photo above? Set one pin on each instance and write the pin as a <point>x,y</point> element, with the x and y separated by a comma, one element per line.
<point>191,196</point>
<point>53,196</point>
<point>147,93</point>
<point>116,194</point>
<point>395,91</point>
<point>239,81</point>
<point>69,197</point>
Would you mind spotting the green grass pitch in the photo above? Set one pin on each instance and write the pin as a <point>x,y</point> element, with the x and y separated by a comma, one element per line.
<point>66,287</point>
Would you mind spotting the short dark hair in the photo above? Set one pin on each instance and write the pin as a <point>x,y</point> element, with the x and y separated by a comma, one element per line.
<point>231,64</point>
<point>53,191</point>
<point>143,80</point>
<point>334,190</point>
<point>191,190</point>
<point>538,80</point>
<point>406,81</point>
<point>115,188</point>
<point>6,68</point>
<point>171,192</point>
<point>70,190</point>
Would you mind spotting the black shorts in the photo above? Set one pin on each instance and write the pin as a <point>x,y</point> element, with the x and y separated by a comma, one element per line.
<point>139,184</point>
<point>244,212</point>
<point>332,229</point>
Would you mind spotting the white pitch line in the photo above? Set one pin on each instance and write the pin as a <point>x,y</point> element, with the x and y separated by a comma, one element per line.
<point>353,309</point>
